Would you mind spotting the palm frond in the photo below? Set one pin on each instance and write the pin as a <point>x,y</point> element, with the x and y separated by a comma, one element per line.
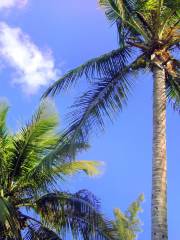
<point>3,115</point>
<point>77,212</point>
<point>5,142</point>
<point>94,68</point>
<point>169,18</point>
<point>173,92</point>
<point>9,225</point>
<point>113,9</point>
<point>105,98</point>
<point>71,168</point>
<point>36,231</point>
<point>54,166</point>
<point>126,12</point>
<point>44,179</point>
<point>120,7</point>
<point>34,141</point>
<point>151,5</point>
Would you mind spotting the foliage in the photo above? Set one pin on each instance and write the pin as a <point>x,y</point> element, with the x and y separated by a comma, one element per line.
<point>128,225</point>
<point>148,35</point>
<point>33,162</point>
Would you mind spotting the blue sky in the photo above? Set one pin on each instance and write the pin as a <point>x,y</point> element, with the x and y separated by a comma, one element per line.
<point>39,41</point>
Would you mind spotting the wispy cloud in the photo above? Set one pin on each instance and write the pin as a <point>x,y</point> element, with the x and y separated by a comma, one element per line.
<point>32,67</point>
<point>12,3</point>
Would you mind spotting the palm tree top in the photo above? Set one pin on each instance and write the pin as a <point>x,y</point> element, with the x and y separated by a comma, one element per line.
<point>34,162</point>
<point>149,35</point>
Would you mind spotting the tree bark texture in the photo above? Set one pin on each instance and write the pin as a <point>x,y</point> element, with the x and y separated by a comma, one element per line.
<point>159,163</point>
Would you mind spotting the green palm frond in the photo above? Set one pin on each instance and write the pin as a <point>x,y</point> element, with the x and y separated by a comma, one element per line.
<point>46,178</point>
<point>97,67</point>
<point>62,152</point>
<point>169,18</point>
<point>45,156</point>
<point>5,143</point>
<point>113,9</point>
<point>3,115</point>
<point>34,141</point>
<point>116,13</point>
<point>126,12</point>
<point>151,5</point>
<point>77,212</point>
<point>105,98</point>
<point>122,8</point>
<point>35,231</point>
<point>148,19</point>
<point>91,168</point>
<point>173,92</point>
<point>55,166</point>
<point>9,224</point>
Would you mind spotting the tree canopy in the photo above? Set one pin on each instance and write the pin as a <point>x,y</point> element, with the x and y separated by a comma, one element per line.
<point>148,33</point>
<point>34,162</point>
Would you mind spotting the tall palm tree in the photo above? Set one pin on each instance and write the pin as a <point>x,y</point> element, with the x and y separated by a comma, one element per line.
<point>149,35</point>
<point>33,162</point>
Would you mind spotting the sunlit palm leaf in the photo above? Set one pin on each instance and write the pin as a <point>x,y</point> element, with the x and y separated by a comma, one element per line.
<point>34,141</point>
<point>46,178</point>
<point>89,167</point>
<point>50,168</point>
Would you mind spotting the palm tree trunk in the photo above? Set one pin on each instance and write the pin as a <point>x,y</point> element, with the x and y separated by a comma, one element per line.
<point>159,167</point>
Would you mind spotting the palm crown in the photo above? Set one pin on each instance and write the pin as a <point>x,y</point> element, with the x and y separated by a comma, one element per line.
<point>33,162</point>
<point>151,27</point>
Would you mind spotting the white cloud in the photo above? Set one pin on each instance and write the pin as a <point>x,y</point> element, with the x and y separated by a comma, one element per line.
<point>33,68</point>
<point>12,3</point>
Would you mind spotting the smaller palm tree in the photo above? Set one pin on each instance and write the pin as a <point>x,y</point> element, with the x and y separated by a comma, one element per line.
<point>128,224</point>
<point>33,161</point>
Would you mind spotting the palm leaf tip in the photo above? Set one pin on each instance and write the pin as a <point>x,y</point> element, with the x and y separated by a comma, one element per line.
<point>3,115</point>
<point>91,168</point>
<point>94,68</point>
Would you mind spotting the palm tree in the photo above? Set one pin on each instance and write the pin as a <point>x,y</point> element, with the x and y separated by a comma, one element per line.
<point>128,224</point>
<point>149,34</point>
<point>33,162</point>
